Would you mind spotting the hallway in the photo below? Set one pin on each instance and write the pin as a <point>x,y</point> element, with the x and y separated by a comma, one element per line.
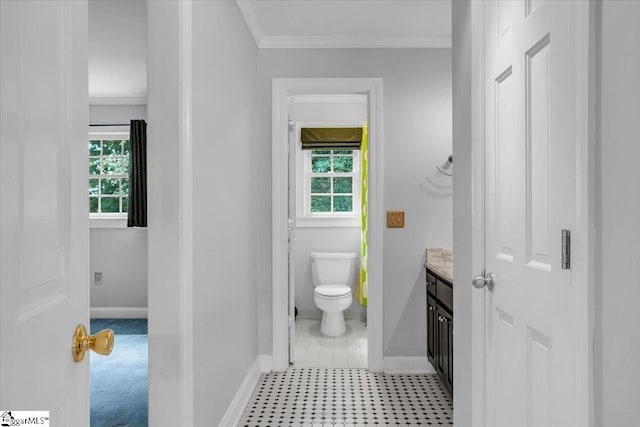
<point>347,397</point>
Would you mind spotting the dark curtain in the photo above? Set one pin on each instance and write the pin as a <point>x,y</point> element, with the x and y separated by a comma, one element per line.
<point>137,216</point>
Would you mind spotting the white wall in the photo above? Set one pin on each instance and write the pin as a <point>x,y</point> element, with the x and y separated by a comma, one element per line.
<point>617,372</point>
<point>338,109</point>
<point>324,238</point>
<point>462,212</point>
<point>165,308</point>
<point>417,135</point>
<point>225,209</point>
<point>120,254</point>
<point>105,114</point>
<point>118,48</point>
<point>225,206</point>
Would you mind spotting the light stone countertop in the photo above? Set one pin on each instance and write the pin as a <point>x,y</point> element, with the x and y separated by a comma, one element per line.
<point>440,260</point>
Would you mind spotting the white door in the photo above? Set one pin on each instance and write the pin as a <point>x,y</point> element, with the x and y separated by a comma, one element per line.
<point>43,211</point>
<point>530,164</point>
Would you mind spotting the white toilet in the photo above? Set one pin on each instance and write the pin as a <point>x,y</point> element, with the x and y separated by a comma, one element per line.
<point>334,275</point>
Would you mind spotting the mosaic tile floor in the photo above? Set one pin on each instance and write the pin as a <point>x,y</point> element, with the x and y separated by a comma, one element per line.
<point>347,397</point>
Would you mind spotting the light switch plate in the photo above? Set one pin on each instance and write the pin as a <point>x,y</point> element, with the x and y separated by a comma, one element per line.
<point>395,219</point>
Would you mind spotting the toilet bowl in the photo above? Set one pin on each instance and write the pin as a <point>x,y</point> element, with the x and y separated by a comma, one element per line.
<point>333,275</point>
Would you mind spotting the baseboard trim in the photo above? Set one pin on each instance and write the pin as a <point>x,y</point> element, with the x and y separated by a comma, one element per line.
<point>240,400</point>
<point>407,365</point>
<point>119,312</point>
<point>317,314</point>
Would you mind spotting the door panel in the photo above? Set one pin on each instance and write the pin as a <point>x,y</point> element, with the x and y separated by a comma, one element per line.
<point>530,197</point>
<point>44,212</point>
<point>537,139</point>
<point>507,189</point>
<point>538,377</point>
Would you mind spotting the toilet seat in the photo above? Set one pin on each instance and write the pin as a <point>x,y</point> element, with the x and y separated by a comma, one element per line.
<point>332,291</point>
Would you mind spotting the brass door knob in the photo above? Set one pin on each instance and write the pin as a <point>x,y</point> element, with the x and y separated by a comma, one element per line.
<point>101,343</point>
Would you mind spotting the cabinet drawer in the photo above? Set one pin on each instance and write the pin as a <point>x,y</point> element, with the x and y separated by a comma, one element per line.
<point>444,293</point>
<point>431,284</point>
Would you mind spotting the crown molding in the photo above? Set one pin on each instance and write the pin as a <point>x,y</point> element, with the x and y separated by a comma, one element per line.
<point>250,18</point>
<point>352,42</point>
<point>306,42</point>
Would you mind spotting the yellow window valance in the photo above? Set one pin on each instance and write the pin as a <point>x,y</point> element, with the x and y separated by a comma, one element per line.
<point>331,138</point>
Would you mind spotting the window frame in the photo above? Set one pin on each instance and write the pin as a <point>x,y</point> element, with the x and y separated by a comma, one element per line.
<point>108,219</point>
<point>303,215</point>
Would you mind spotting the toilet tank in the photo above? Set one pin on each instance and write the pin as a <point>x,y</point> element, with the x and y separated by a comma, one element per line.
<point>334,268</point>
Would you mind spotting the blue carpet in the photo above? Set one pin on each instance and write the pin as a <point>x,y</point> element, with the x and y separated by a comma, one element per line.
<point>119,382</point>
<point>120,326</point>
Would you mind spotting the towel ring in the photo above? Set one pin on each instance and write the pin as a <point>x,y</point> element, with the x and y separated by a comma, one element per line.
<point>447,165</point>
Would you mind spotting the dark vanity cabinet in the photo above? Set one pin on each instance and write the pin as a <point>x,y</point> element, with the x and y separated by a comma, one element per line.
<point>440,326</point>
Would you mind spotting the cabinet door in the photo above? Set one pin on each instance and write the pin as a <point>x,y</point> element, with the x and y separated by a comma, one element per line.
<point>441,344</point>
<point>444,359</point>
<point>449,351</point>
<point>432,330</point>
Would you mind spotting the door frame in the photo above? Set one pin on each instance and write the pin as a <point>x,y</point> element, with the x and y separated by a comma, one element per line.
<point>282,89</point>
<point>170,231</point>
<point>583,238</point>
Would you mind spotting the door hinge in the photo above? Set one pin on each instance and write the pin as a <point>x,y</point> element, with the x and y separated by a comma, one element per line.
<point>291,224</point>
<point>292,321</point>
<point>566,249</point>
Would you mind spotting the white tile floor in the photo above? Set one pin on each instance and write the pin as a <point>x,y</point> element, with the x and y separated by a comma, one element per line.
<point>315,350</point>
<point>347,398</point>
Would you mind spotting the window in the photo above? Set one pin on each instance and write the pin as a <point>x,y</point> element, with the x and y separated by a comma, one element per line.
<point>108,174</point>
<point>327,181</point>
<point>333,184</point>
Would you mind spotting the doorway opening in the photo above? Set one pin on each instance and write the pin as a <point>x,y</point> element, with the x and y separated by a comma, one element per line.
<point>118,279</point>
<point>118,254</point>
<point>327,214</point>
<point>284,300</point>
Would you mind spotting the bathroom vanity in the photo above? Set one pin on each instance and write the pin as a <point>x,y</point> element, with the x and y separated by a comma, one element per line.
<point>439,282</point>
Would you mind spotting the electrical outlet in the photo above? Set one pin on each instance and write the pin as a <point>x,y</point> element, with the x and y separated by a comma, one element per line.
<point>97,278</point>
<point>395,219</point>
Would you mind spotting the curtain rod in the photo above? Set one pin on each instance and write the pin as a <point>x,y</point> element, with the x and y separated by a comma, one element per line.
<point>109,124</point>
